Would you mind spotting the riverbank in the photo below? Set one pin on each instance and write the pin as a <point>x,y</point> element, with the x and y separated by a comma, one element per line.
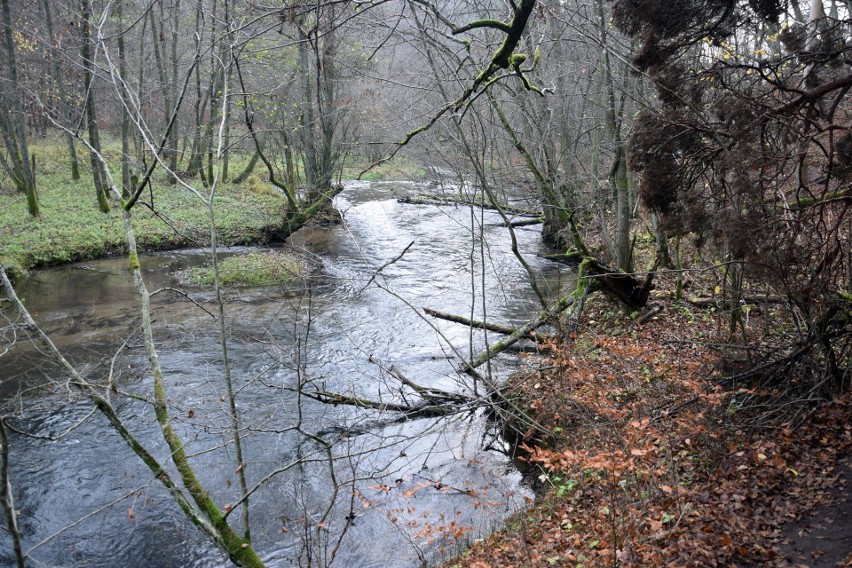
<point>356,330</point>
<point>646,461</point>
<point>650,462</point>
<point>71,228</point>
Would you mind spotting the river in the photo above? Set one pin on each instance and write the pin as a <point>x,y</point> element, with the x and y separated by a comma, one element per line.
<point>406,491</point>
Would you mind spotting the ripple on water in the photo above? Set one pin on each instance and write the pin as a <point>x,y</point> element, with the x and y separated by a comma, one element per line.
<point>346,336</point>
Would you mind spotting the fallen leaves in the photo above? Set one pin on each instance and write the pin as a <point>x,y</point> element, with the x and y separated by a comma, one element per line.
<point>650,487</point>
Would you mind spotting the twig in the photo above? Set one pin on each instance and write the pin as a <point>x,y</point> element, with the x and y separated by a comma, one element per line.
<point>185,295</point>
<point>50,438</point>
<point>385,265</point>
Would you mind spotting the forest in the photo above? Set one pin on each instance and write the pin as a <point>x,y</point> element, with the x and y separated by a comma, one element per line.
<point>351,252</point>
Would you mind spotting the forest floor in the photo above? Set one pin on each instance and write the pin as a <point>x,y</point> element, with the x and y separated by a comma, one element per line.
<point>661,452</point>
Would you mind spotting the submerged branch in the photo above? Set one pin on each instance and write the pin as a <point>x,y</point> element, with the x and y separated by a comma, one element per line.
<point>432,402</point>
<point>522,223</point>
<point>423,409</point>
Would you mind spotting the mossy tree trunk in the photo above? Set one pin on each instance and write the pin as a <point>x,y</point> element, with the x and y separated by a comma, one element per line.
<point>306,116</point>
<point>320,121</point>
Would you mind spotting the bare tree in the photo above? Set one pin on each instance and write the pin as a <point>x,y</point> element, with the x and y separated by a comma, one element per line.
<point>88,54</point>
<point>16,162</point>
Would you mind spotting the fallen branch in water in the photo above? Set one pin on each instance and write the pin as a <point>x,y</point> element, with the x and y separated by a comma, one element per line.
<point>422,409</point>
<point>522,223</point>
<point>425,199</point>
<point>592,275</point>
<point>524,331</point>
<point>495,327</point>
<point>430,403</point>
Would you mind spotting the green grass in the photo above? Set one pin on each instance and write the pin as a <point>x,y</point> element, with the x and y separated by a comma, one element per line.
<point>400,168</point>
<point>268,268</point>
<point>71,227</point>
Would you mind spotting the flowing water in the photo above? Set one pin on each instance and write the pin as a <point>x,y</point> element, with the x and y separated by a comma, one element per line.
<point>396,492</point>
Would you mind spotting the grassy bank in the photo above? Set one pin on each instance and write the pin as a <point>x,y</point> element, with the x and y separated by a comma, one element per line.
<point>400,168</point>
<point>268,268</point>
<point>71,228</point>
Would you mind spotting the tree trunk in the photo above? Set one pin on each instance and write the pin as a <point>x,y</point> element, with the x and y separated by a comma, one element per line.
<point>661,242</point>
<point>91,116</point>
<point>326,76</point>
<point>618,173</point>
<point>629,291</point>
<point>16,138</point>
<point>172,87</point>
<point>138,146</point>
<point>126,173</point>
<point>557,215</point>
<point>306,117</point>
<point>248,169</point>
<point>213,87</point>
<point>496,328</point>
<point>623,213</point>
<point>64,107</point>
<point>158,45</point>
<point>226,56</point>
<point>196,155</point>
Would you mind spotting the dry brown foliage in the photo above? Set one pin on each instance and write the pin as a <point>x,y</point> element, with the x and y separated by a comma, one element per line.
<point>648,461</point>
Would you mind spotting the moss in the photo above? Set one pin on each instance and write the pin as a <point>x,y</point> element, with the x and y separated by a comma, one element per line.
<point>269,268</point>
<point>71,228</point>
<point>134,262</point>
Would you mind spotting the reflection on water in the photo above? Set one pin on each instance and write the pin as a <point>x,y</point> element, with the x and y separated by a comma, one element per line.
<point>413,486</point>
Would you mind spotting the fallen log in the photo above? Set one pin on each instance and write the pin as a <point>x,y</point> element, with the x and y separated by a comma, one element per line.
<point>425,199</point>
<point>422,409</point>
<point>433,395</point>
<point>542,318</point>
<point>592,275</point>
<point>522,223</point>
<point>431,402</point>
<point>496,328</point>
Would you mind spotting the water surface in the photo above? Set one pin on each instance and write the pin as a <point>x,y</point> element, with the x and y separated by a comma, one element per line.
<point>395,492</point>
